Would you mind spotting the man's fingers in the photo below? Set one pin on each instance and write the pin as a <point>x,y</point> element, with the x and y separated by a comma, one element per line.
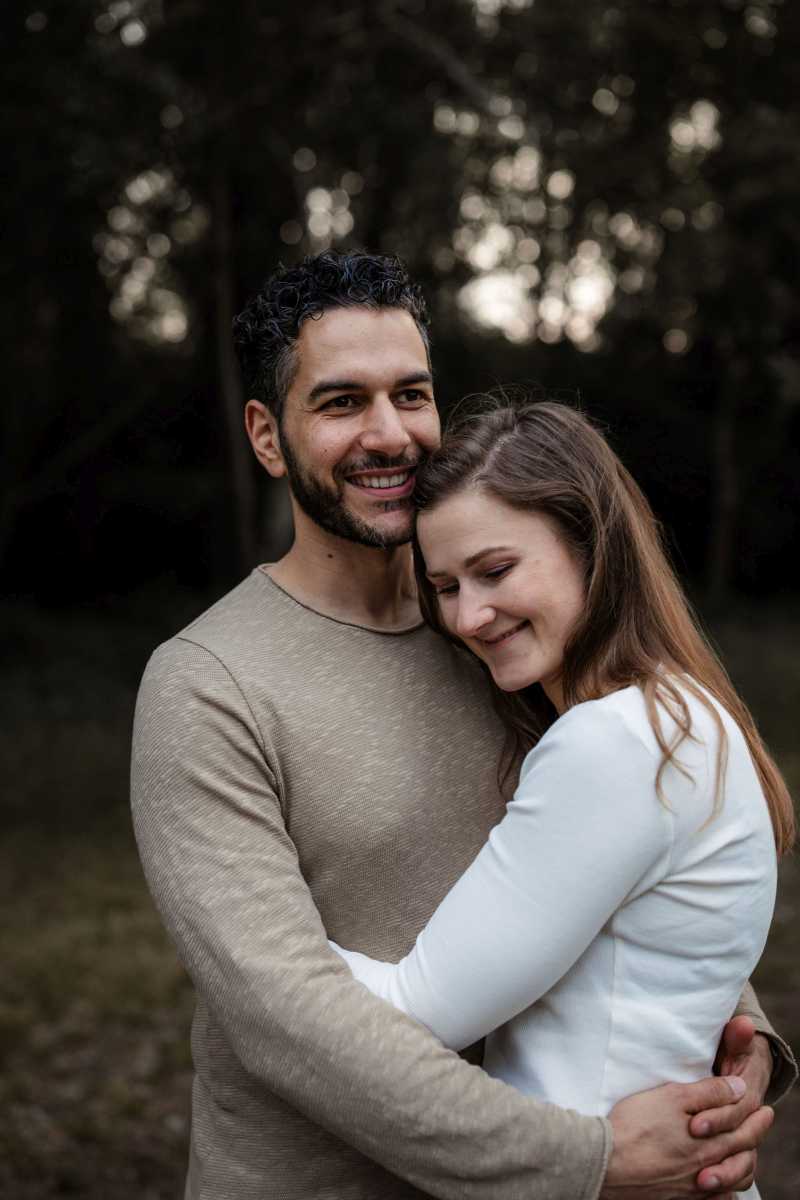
<point>728,1146</point>
<point>734,1174</point>
<point>724,1119</point>
<point>713,1093</point>
<point>737,1037</point>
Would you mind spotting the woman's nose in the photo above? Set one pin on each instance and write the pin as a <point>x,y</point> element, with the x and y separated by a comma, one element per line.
<point>472,615</point>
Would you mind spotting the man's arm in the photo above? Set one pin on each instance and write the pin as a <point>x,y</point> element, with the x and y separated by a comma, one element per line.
<point>225,875</point>
<point>226,878</point>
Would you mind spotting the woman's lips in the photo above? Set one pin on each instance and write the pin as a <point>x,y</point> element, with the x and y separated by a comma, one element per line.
<point>505,637</point>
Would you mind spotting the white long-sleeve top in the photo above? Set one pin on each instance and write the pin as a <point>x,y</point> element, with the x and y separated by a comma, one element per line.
<point>601,938</point>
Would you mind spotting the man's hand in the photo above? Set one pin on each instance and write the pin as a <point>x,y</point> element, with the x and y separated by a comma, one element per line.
<point>744,1053</point>
<point>655,1157</point>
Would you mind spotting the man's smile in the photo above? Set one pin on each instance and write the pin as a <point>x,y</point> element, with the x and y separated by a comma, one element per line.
<point>392,483</point>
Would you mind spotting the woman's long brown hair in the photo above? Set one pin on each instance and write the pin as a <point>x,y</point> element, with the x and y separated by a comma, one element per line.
<point>637,627</point>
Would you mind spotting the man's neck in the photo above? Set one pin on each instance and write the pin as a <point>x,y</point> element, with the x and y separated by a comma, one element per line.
<point>358,584</point>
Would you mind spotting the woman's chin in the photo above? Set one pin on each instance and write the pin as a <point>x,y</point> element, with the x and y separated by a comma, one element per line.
<point>513,683</point>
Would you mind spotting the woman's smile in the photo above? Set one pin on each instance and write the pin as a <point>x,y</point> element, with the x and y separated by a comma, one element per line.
<point>502,639</point>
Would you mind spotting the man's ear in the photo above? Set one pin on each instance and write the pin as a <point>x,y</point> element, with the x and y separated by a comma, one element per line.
<point>262,429</point>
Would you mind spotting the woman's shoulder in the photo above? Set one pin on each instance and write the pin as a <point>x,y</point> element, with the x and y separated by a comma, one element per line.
<point>597,763</point>
<point>616,729</point>
<point>618,717</point>
<point>623,715</point>
<point>612,730</point>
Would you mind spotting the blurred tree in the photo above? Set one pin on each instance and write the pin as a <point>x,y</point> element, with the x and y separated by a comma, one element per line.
<point>670,134</point>
<point>609,187</point>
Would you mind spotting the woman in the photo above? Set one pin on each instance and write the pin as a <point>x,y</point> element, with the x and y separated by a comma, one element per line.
<point>603,935</point>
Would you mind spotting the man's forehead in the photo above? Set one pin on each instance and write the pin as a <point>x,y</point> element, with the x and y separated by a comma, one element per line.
<point>366,341</point>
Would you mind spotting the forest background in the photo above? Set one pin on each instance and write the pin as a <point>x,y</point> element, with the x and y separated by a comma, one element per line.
<point>600,199</point>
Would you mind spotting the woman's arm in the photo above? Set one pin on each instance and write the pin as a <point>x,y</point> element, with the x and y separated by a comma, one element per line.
<point>583,829</point>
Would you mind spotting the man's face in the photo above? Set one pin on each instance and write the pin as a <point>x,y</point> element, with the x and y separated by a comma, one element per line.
<point>358,419</point>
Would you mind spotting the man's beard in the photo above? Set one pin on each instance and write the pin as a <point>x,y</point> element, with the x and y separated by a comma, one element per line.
<point>325,505</point>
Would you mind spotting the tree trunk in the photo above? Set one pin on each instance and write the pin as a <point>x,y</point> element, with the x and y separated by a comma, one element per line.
<point>725,492</point>
<point>230,387</point>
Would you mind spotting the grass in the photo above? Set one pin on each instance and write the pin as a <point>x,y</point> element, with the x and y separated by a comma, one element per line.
<point>93,1023</point>
<point>94,1009</point>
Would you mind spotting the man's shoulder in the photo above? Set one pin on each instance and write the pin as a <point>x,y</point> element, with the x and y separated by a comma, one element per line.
<point>267,644</point>
<point>250,604</point>
<point>252,614</point>
<point>242,625</point>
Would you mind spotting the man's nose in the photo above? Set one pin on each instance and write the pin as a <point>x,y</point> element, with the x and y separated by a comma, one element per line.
<point>385,430</point>
<point>472,615</point>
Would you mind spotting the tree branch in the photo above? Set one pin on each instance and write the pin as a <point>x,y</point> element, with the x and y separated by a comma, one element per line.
<point>431,46</point>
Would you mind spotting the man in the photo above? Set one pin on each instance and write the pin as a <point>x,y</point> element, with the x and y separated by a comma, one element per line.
<point>309,759</point>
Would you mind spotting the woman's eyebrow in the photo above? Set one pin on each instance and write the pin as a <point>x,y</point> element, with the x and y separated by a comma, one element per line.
<point>471,560</point>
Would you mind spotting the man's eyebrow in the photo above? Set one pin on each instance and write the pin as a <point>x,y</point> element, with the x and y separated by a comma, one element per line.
<point>470,562</point>
<point>353,385</point>
<point>334,385</point>
<point>417,377</point>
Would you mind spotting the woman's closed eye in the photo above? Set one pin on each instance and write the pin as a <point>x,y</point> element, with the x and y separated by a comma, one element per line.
<point>492,576</point>
<point>499,572</point>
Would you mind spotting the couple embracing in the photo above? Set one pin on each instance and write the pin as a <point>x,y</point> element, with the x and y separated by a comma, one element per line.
<point>541,816</point>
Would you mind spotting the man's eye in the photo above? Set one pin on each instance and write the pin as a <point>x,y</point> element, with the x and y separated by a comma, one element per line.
<point>341,402</point>
<point>413,396</point>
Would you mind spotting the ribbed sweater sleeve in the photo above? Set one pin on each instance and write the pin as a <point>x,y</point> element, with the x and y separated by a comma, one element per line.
<point>784,1071</point>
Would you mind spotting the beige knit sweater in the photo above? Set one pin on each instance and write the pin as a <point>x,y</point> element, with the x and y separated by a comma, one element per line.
<point>288,767</point>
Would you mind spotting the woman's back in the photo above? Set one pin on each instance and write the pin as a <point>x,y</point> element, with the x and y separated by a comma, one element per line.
<point>645,1001</point>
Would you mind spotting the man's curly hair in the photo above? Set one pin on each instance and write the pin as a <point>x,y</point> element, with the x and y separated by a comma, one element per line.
<point>267,328</point>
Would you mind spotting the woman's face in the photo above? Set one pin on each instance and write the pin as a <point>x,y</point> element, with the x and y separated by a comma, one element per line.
<point>506,584</point>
